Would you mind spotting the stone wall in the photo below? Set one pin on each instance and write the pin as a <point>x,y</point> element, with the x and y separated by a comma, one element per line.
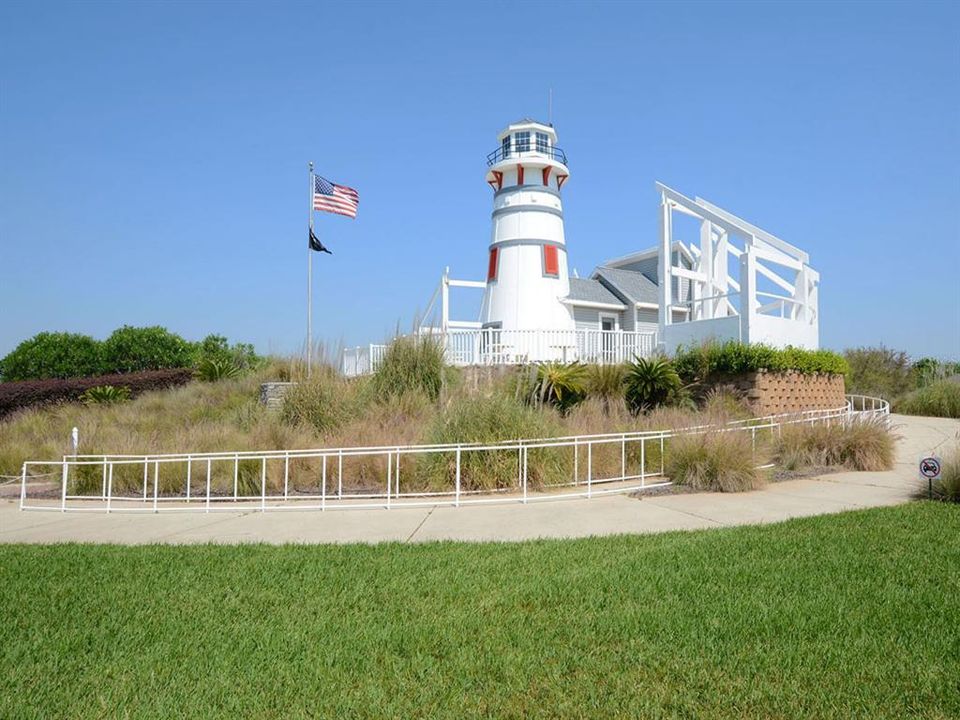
<point>272,394</point>
<point>772,393</point>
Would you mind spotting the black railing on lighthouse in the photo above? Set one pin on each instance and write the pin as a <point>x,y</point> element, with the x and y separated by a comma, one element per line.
<point>501,153</point>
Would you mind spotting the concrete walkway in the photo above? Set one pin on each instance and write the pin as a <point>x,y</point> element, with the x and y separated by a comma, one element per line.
<point>607,515</point>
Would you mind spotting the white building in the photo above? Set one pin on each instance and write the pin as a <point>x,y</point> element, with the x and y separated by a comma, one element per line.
<point>727,279</point>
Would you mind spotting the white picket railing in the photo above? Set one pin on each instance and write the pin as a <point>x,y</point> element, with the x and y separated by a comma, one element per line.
<point>492,346</point>
<point>370,477</point>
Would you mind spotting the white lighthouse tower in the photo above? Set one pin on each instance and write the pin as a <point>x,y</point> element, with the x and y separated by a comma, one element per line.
<point>527,262</point>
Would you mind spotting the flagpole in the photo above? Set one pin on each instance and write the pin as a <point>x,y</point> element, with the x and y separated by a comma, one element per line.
<point>310,286</point>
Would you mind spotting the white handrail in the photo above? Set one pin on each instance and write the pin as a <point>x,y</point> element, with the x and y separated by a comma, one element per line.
<point>154,499</point>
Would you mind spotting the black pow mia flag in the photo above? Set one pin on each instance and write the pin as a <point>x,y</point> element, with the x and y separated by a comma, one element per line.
<point>315,244</point>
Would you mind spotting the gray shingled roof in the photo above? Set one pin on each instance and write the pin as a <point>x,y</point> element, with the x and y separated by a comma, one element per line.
<point>632,285</point>
<point>590,290</point>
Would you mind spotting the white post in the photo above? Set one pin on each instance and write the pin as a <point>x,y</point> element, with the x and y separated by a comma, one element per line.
<point>665,276</point>
<point>748,292</point>
<point>63,499</point>
<point>456,501</point>
<point>189,470</point>
<point>525,454</point>
<point>208,484</point>
<point>389,476</point>
<point>445,301</point>
<point>156,482</point>
<point>323,485</point>
<point>109,487</point>
<point>286,473</point>
<point>23,487</point>
<point>706,269</point>
<point>263,485</point>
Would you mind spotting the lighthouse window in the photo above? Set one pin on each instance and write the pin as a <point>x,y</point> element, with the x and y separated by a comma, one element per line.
<point>505,146</point>
<point>551,262</point>
<point>523,142</point>
<point>543,143</point>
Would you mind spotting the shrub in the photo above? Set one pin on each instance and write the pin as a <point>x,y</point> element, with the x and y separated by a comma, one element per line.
<point>858,445</point>
<point>562,385</point>
<point>215,348</point>
<point>52,355</point>
<point>16,396</point>
<point>411,364</point>
<point>650,383</point>
<point>940,399</point>
<point>213,369</point>
<point>698,363</point>
<point>490,420</point>
<point>716,461</point>
<point>133,349</point>
<point>879,371</point>
<point>105,395</point>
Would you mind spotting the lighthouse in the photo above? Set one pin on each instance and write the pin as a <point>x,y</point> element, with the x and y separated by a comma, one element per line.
<point>527,258</point>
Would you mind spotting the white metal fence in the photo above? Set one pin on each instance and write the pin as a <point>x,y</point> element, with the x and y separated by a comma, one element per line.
<point>492,346</point>
<point>387,476</point>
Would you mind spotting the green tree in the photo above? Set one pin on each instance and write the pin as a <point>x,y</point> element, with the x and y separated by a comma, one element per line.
<point>132,349</point>
<point>53,355</point>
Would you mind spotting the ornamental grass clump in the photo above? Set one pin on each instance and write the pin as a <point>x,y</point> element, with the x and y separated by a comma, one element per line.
<point>947,487</point>
<point>411,364</point>
<point>866,445</point>
<point>715,461</point>
<point>490,420</point>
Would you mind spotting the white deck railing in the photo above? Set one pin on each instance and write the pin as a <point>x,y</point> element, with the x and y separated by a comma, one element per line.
<point>492,346</point>
<point>370,477</point>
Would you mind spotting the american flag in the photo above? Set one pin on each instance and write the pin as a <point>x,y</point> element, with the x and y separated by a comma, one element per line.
<point>333,198</point>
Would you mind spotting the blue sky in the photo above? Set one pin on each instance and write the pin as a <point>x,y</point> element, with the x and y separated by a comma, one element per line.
<point>153,155</point>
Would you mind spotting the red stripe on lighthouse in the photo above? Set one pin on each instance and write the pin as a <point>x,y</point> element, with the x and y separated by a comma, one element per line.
<point>492,267</point>
<point>546,175</point>
<point>519,174</point>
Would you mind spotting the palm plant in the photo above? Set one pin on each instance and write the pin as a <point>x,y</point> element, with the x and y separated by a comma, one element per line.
<point>213,369</point>
<point>650,383</point>
<point>562,385</point>
<point>105,395</point>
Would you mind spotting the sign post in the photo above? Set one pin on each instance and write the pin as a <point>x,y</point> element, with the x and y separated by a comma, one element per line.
<point>930,467</point>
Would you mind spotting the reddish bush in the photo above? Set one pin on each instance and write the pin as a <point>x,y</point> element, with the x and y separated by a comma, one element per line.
<point>32,393</point>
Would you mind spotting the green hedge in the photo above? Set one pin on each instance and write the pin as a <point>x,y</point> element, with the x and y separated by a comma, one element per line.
<point>733,358</point>
<point>128,349</point>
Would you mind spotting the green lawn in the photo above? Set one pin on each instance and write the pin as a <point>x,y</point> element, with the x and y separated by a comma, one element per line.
<point>853,615</point>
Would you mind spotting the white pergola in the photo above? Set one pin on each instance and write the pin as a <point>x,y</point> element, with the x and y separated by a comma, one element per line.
<point>724,307</point>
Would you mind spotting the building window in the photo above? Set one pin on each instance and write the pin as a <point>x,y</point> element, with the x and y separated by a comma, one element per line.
<point>492,267</point>
<point>551,261</point>
<point>523,141</point>
<point>543,143</point>
<point>505,147</point>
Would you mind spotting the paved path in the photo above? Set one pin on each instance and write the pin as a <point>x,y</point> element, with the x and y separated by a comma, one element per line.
<point>564,518</point>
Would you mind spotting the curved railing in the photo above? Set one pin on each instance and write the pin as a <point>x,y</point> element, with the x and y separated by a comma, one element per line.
<point>554,153</point>
<point>352,477</point>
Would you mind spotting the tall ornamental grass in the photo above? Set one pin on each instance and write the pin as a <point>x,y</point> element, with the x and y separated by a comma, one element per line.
<point>411,364</point>
<point>715,461</point>
<point>947,487</point>
<point>860,445</point>
<point>939,399</point>
<point>491,420</point>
